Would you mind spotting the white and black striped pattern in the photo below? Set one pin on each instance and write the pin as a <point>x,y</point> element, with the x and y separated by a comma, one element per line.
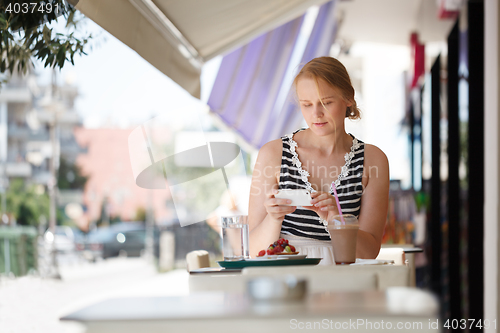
<point>304,222</point>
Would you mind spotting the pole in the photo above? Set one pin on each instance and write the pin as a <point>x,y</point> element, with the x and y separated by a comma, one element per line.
<point>54,269</point>
<point>4,180</point>
<point>52,165</point>
<point>3,158</point>
<point>52,209</point>
<point>150,229</point>
<point>52,186</point>
<point>6,245</point>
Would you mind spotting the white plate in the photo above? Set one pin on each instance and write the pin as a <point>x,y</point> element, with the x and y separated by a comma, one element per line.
<point>293,256</point>
<point>282,256</point>
<point>267,258</point>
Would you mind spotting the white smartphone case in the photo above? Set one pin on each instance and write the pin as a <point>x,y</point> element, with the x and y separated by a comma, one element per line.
<point>298,197</point>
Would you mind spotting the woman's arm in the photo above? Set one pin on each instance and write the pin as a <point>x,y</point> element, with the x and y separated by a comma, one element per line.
<point>374,203</point>
<point>266,213</point>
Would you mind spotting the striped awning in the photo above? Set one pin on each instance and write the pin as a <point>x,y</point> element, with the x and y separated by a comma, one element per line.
<point>246,92</point>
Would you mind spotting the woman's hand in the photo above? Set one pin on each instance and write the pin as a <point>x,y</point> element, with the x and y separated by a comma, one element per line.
<point>276,208</point>
<point>323,204</point>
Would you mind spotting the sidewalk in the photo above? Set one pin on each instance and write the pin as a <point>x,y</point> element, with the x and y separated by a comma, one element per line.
<point>31,304</point>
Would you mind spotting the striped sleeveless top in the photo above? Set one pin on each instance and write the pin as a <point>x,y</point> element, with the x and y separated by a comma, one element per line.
<point>304,222</point>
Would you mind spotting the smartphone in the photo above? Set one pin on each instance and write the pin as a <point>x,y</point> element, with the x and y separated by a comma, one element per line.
<point>298,197</point>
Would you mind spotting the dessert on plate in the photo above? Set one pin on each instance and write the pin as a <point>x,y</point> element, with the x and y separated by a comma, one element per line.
<point>280,247</point>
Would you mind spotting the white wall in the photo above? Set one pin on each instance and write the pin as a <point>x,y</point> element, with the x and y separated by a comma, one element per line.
<point>492,163</point>
<point>382,101</point>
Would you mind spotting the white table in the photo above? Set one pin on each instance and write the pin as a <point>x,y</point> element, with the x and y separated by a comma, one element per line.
<point>321,278</point>
<point>367,311</point>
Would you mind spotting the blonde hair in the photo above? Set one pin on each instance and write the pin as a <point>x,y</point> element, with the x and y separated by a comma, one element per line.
<point>333,73</point>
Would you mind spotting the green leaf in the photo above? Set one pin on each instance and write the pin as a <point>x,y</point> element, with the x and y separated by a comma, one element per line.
<point>29,40</point>
<point>46,34</point>
<point>70,19</point>
<point>38,45</point>
<point>61,55</point>
<point>50,60</point>
<point>45,52</point>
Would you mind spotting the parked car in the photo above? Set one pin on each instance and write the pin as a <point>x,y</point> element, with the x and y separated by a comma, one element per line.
<point>125,238</point>
<point>92,244</point>
<point>63,239</point>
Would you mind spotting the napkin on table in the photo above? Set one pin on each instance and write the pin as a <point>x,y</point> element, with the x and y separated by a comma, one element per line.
<point>372,262</point>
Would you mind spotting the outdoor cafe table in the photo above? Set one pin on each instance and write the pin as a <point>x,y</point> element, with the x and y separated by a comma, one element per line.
<point>321,278</point>
<point>234,280</point>
<point>397,308</point>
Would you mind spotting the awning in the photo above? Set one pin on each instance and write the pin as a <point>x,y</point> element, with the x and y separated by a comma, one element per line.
<point>249,80</point>
<point>246,92</point>
<point>178,36</point>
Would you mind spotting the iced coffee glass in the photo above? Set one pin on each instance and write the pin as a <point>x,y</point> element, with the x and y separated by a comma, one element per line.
<point>344,236</point>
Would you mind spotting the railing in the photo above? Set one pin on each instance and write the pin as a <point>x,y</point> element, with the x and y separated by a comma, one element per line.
<point>18,250</point>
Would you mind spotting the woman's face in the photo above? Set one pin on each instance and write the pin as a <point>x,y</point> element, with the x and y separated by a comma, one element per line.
<point>321,119</point>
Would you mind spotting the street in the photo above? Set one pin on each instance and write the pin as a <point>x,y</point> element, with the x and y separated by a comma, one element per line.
<point>31,304</point>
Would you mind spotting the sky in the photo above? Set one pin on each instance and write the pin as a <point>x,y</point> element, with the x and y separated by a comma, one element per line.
<point>117,87</point>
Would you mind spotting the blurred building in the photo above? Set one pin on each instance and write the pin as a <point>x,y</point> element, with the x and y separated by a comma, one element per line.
<point>111,190</point>
<point>26,111</point>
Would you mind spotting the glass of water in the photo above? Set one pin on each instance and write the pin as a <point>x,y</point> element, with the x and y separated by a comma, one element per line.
<point>235,237</point>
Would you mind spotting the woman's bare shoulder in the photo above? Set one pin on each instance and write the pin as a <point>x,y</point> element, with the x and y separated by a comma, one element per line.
<point>374,156</point>
<point>271,152</point>
<point>376,162</point>
<point>268,162</point>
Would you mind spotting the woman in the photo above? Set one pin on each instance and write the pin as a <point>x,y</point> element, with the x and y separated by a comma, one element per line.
<point>313,159</point>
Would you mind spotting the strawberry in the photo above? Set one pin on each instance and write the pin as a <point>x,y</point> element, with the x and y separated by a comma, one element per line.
<point>270,252</point>
<point>261,253</point>
<point>278,249</point>
<point>292,248</point>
